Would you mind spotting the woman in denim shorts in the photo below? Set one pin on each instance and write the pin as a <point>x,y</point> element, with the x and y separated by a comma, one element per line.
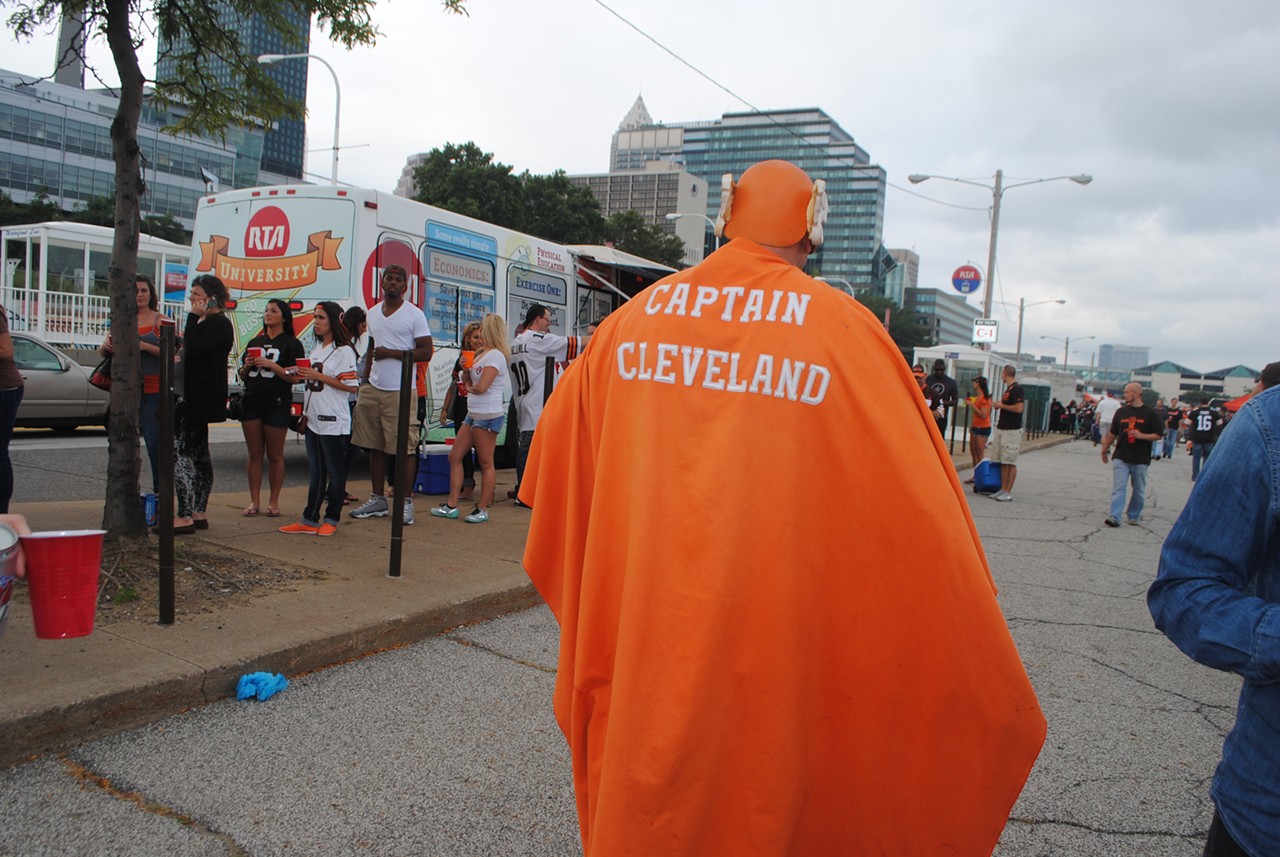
<point>486,382</point>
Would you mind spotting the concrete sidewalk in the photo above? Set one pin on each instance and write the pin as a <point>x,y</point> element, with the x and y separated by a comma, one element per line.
<point>60,692</point>
<point>127,673</point>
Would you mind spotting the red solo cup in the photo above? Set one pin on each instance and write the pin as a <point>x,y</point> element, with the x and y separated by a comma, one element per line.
<point>302,363</point>
<point>468,357</point>
<point>62,580</point>
<point>253,353</point>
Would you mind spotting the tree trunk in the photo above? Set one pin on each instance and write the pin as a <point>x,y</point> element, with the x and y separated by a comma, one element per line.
<point>122,515</point>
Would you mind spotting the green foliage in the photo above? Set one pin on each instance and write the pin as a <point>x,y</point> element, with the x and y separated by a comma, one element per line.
<point>124,595</point>
<point>630,234</point>
<point>903,328</point>
<point>464,179</point>
<point>559,211</point>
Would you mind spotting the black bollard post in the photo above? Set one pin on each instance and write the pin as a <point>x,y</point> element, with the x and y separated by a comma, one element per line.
<point>165,501</point>
<point>549,379</point>
<point>402,462</point>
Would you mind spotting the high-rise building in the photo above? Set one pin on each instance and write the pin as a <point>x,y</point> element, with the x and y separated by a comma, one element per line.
<point>56,139</point>
<point>662,188</point>
<point>807,137</point>
<point>905,275</point>
<point>1123,356</point>
<point>948,317</point>
<point>285,143</point>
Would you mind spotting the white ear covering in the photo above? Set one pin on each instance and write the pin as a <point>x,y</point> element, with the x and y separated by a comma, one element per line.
<point>727,188</point>
<point>816,215</point>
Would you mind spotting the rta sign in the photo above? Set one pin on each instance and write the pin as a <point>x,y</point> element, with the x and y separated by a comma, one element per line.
<point>268,233</point>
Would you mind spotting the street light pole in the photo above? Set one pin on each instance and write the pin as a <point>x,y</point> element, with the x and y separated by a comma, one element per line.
<point>997,194</point>
<point>270,59</point>
<point>677,215</point>
<point>1066,347</point>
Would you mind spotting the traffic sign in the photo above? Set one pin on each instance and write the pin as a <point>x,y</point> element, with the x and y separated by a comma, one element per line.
<point>985,331</point>
<point>966,279</point>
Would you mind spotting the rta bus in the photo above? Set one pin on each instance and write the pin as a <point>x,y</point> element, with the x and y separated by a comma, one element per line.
<point>309,243</point>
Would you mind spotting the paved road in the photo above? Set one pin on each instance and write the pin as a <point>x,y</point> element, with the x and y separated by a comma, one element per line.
<point>447,746</point>
<point>73,466</point>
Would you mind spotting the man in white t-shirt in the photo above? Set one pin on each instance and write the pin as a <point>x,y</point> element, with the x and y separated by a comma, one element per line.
<point>529,353</point>
<point>1103,415</point>
<point>396,328</point>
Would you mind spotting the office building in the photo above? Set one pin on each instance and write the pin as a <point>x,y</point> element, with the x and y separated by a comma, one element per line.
<point>56,139</point>
<point>1121,357</point>
<point>659,189</point>
<point>285,142</point>
<point>905,275</point>
<point>807,137</point>
<point>948,317</point>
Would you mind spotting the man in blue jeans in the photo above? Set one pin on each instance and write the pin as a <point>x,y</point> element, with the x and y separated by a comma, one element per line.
<point>1205,424</point>
<point>1217,597</point>
<point>1133,429</point>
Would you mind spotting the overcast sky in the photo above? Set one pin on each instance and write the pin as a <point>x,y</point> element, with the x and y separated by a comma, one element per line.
<point>1172,106</point>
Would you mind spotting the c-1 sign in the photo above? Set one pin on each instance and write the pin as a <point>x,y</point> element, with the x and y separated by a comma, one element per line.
<point>985,331</point>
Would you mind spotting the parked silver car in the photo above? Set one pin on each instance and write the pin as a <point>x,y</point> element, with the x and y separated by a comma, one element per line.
<point>57,391</point>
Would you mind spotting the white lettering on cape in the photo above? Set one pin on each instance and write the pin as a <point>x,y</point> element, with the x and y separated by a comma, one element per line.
<point>724,371</point>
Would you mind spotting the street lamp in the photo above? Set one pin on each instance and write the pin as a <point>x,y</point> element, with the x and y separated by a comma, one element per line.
<point>711,223</point>
<point>848,286</point>
<point>997,193</point>
<point>271,59</point>
<point>1066,347</point>
<point>1022,307</point>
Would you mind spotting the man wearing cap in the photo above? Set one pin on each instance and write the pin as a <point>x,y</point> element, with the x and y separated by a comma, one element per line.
<point>740,672</point>
<point>940,390</point>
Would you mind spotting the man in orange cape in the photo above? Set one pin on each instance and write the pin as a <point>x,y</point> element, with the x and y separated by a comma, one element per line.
<point>779,633</point>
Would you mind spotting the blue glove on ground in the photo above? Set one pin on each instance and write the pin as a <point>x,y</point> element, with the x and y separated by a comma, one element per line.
<point>262,685</point>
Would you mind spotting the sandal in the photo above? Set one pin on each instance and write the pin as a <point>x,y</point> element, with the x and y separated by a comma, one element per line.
<point>249,512</point>
<point>273,512</point>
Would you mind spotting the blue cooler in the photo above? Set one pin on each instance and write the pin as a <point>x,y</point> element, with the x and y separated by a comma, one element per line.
<point>433,469</point>
<point>986,477</point>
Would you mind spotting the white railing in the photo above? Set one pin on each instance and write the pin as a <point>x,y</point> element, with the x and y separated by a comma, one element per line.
<point>63,318</point>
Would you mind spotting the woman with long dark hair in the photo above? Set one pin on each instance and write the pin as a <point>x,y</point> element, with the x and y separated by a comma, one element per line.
<point>149,346</point>
<point>268,395</point>
<point>980,426</point>
<point>207,339</point>
<point>329,382</point>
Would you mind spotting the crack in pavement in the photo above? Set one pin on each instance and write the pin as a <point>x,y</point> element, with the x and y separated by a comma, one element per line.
<point>471,644</point>
<point>89,779</point>
<point>1035,822</point>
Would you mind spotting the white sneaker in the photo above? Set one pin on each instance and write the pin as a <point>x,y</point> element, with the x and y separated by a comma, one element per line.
<point>477,516</point>
<point>374,507</point>
<point>1004,497</point>
<point>408,512</point>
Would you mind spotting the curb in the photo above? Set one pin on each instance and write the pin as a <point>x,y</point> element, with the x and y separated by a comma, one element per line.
<point>36,733</point>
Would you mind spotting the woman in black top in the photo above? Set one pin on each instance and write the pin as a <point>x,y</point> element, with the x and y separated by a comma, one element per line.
<point>11,387</point>
<point>206,342</point>
<point>268,394</point>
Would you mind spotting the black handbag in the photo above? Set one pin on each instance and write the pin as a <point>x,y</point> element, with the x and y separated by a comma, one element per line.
<point>101,375</point>
<point>235,406</point>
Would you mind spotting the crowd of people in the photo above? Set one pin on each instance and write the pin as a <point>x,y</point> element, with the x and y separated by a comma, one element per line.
<point>350,377</point>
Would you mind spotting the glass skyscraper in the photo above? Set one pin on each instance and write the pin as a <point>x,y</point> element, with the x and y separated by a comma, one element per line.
<point>285,143</point>
<point>807,137</point>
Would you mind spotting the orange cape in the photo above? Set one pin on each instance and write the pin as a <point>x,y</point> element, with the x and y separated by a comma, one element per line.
<point>779,634</point>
